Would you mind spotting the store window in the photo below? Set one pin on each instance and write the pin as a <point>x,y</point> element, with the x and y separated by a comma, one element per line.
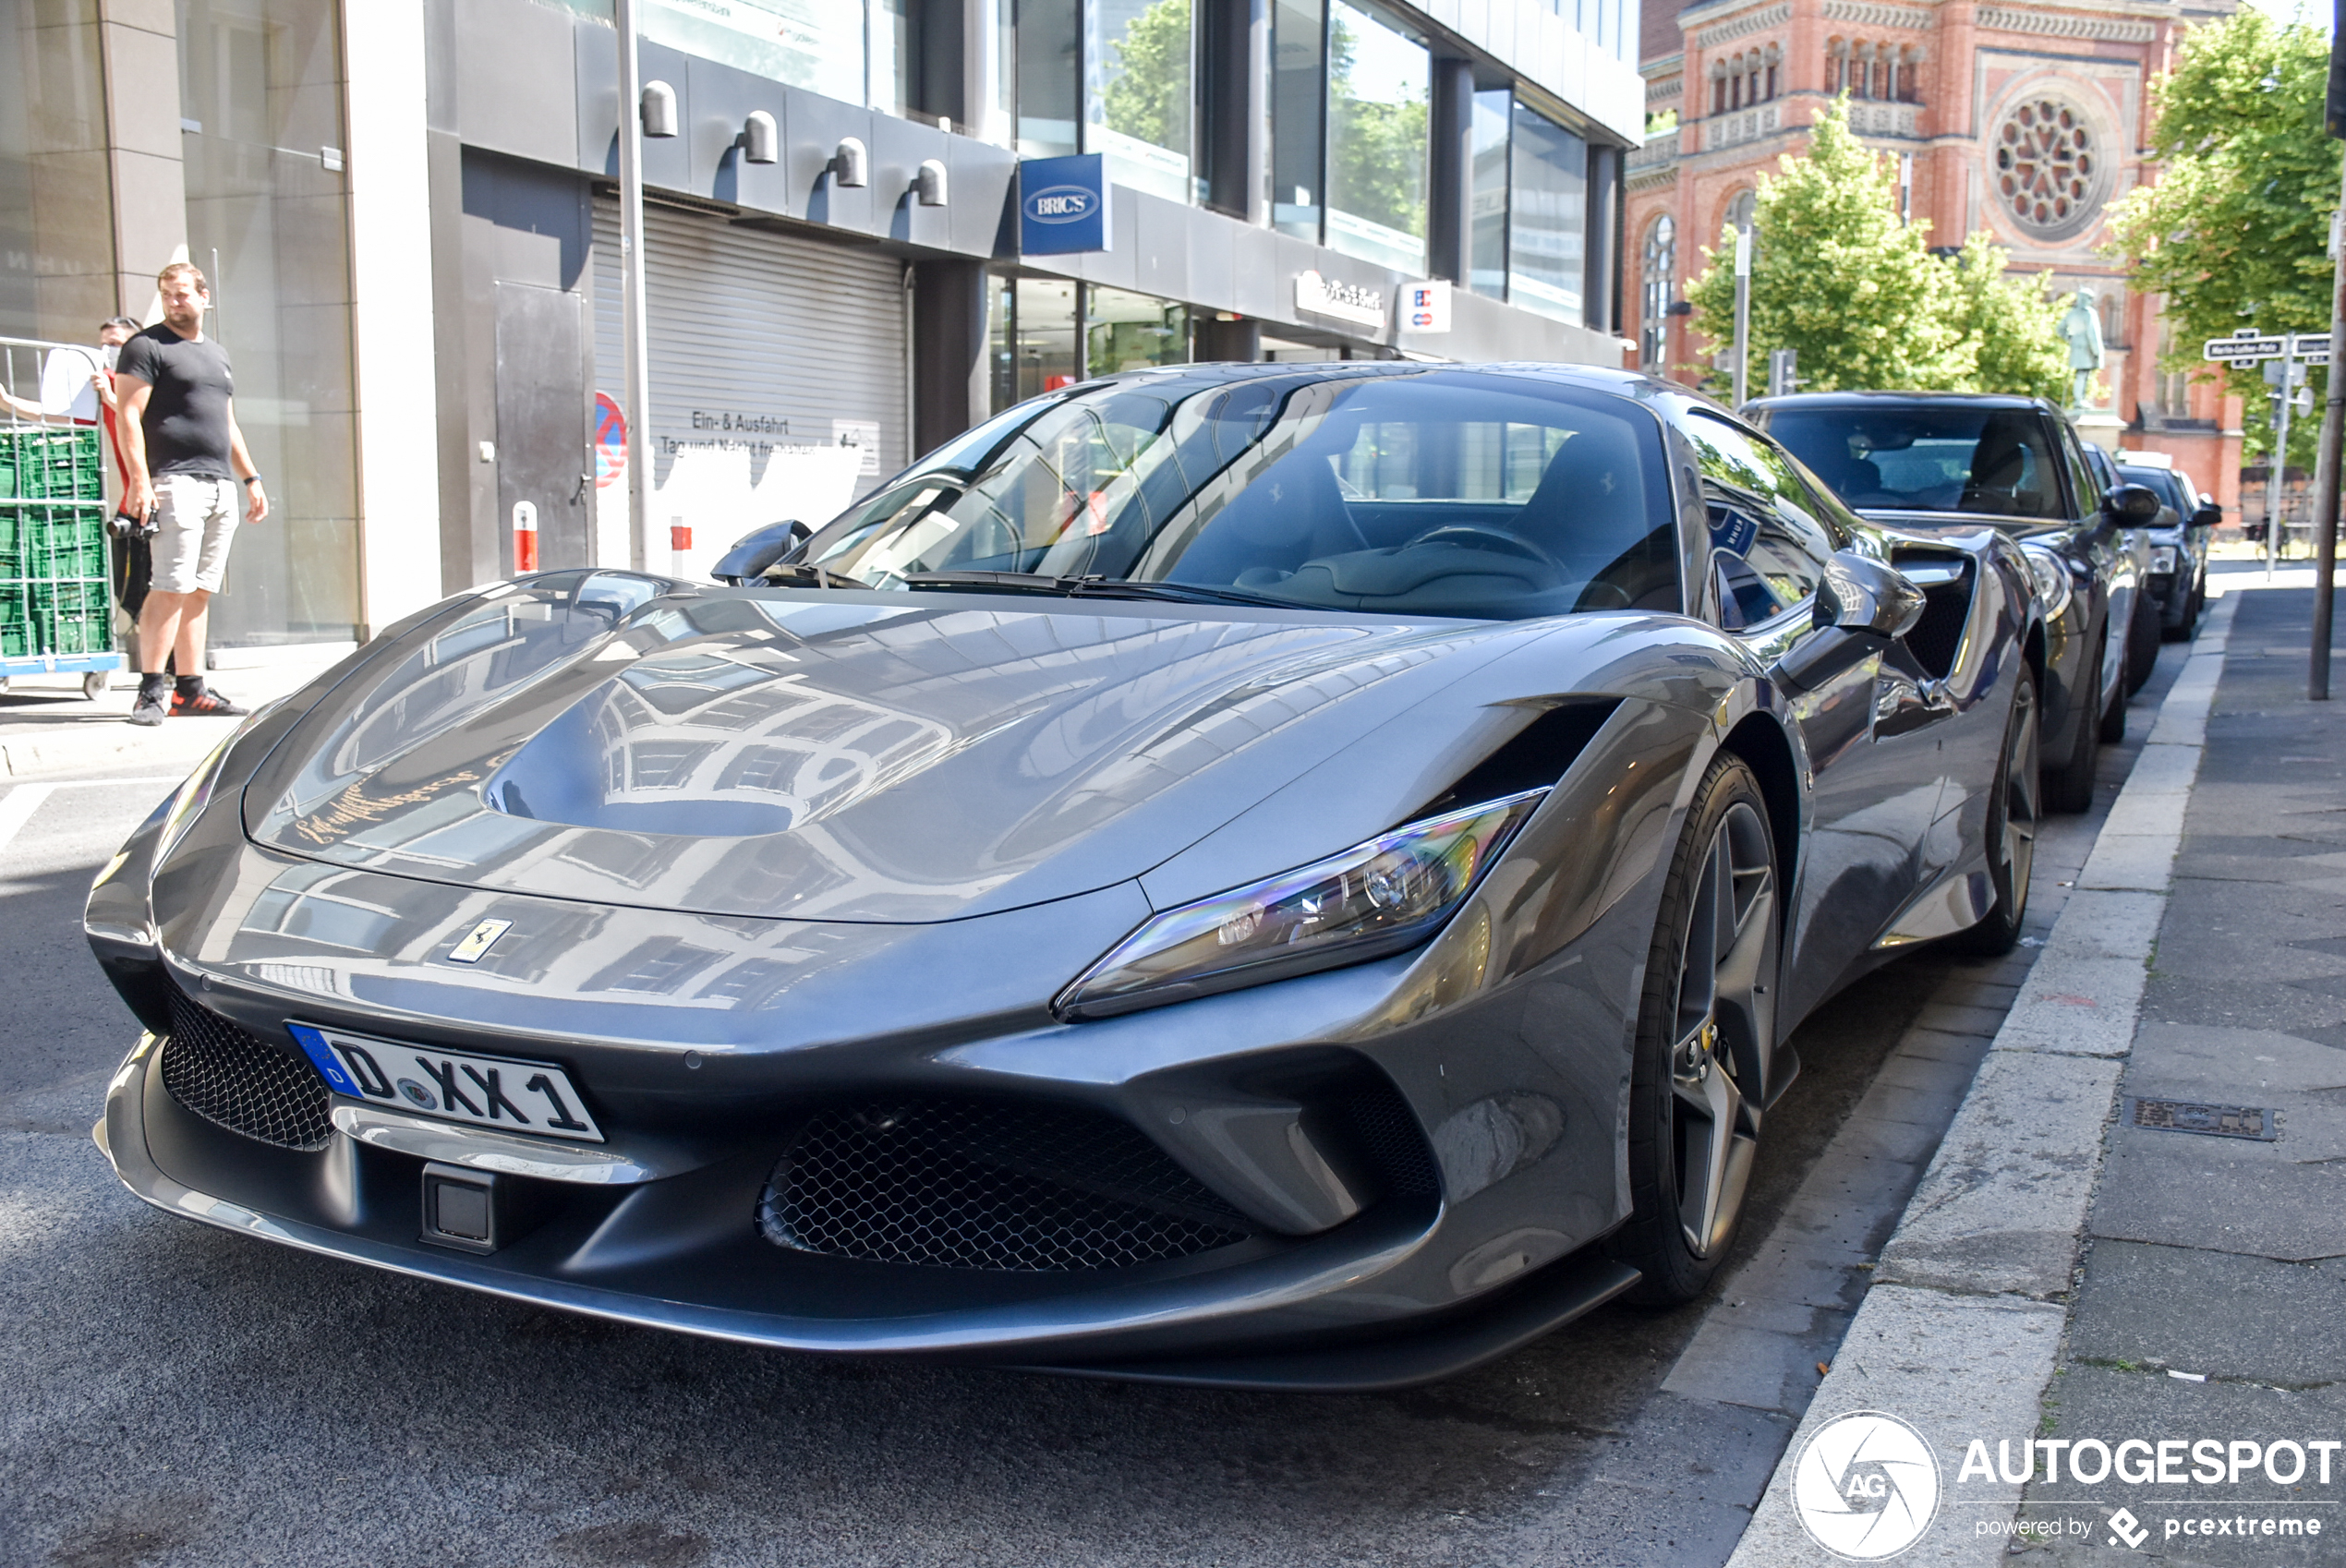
<point>57,221</point>
<point>1659,262</point>
<point>1487,131</point>
<point>1043,324</point>
<point>856,51</point>
<point>1379,78</point>
<point>1141,71</point>
<point>267,220</point>
<point>1298,77</point>
<point>1112,76</point>
<point>1050,77</point>
<point>1123,331</point>
<point>1548,217</point>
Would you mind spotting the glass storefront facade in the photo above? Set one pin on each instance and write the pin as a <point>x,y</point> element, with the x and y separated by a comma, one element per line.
<point>856,51</point>
<point>56,213</point>
<point>1380,86</point>
<point>1112,76</point>
<point>1547,217</point>
<point>269,222</point>
<point>1035,323</point>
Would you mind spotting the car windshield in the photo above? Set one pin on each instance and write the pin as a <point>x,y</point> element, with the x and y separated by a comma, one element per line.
<point>1434,492</point>
<point>2160,482</point>
<point>1956,457</point>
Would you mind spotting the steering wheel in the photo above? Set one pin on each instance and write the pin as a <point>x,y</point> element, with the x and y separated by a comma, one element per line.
<point>1483,536</point>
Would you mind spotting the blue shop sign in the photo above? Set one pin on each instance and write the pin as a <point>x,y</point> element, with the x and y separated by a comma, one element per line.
<point>1062,205</point>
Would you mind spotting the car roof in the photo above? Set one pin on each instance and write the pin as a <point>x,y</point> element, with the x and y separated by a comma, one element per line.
<point>1865,399</point>
<point>1595,378</point>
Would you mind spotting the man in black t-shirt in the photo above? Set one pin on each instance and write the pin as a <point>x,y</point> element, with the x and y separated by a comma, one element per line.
<point>186,457</point>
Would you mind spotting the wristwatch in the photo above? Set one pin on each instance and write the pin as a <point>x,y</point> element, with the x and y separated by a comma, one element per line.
<point>251,479</point>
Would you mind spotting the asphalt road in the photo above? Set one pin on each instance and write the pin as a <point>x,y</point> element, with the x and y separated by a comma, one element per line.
<point>187,1396</point>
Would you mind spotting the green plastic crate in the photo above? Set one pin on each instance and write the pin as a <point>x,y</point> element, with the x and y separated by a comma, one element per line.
<point>50,541</point>
<point>16,639</point>
<point>68,601</point>
<point>72,635</point>
<point>55,465</point>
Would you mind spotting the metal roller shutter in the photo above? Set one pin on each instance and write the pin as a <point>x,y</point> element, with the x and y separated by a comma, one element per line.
<point>762,325</point>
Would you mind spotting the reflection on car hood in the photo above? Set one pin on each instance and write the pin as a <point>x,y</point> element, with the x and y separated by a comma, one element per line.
<point>2020,528</point>
<point>862,756</point>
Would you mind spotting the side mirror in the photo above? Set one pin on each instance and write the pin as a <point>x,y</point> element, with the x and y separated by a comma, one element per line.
<point>2131,506</point>
<point>2207,516</point>
<point>759,548</point>
<point>1860,594</point>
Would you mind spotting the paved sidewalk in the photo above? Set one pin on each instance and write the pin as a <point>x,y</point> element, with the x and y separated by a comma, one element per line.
<point>48,729</point>
<point>2212,1302</point>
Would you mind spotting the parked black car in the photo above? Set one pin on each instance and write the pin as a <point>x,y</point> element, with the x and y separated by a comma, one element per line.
<point>2142,628</point>
<point>2187,519</point>
<point>1914,459</point>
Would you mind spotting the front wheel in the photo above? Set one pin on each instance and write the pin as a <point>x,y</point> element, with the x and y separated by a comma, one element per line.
<point>2012,827</point>
<point>1705,1023</point>
<point>2141,645</point>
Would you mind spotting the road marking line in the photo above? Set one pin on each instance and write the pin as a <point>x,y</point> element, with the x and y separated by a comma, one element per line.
<point>17,806</point>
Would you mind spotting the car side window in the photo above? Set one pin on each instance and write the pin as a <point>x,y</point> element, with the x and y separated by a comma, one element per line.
<point>2080,473</point>
<point>1768,546</point>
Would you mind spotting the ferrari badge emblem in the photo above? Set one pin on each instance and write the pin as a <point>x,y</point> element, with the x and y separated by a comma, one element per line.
<point>478,941</point>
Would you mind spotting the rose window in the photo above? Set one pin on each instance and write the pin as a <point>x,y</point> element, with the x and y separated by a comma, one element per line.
<point>2044,163</point>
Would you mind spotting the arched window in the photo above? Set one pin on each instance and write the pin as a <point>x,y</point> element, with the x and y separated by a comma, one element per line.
<point>1718,89</point>
<point>1741,209</point>
<point>1658,289</point>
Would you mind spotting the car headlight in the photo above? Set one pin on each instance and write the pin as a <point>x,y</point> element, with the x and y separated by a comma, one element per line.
<point>1374,898</point>
<point>2052,580</point>
<point>2162,558</point>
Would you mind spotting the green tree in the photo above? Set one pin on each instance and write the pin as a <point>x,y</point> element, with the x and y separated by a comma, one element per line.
<point>2235,230</point>
<point>1149,100</point>
<point>2011,325</point>
<point>1837,275</point>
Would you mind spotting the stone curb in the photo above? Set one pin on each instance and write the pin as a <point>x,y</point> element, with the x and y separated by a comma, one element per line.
<point>177,747</point>
<point>1961,1330</point>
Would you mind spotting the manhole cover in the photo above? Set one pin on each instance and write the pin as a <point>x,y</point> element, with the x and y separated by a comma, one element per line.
<point>2216,1121</point>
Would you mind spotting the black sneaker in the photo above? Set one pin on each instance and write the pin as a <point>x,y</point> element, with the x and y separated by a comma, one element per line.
<point>149,709</point>
<point>204,705</point>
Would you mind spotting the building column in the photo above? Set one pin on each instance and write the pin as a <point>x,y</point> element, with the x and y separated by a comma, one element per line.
<point>139,55</point>
<point>949,388</point>
<point>1449,174</point>
<point>1234,57</point>
<point>391,313</point>
<point>1606,260</point>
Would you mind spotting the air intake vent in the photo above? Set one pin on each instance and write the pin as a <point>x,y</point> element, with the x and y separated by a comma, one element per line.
<point>972,1183</point>
<point>229,1075</point>
<point>1383,1129</point>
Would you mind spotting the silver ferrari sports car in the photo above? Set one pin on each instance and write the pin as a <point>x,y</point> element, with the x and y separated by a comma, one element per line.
<point>1279,876</point>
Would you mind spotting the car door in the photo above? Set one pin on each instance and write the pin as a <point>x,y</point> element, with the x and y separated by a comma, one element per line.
<point>1874,794</point>
<point>2121,556</point>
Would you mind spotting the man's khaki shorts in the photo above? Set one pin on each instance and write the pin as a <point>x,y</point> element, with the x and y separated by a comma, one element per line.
<point>195,523</point>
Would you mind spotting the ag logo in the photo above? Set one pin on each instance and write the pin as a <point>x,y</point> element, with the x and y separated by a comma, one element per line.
<point>1865,1486</point>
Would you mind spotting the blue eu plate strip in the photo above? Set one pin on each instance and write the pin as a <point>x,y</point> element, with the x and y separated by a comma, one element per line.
<point>323,1057</point>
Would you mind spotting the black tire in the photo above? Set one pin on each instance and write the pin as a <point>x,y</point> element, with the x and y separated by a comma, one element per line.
<point>1705,1023</point>
<point>2071,789</point>
<point>2141,649</point>
<point>2013,806</point>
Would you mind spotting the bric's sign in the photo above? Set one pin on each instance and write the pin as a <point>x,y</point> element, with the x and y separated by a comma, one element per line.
<point>1062,205</point>
<point>1346,302</point>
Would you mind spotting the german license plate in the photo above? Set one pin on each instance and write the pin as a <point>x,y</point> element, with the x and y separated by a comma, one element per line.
<point>457,1086</point>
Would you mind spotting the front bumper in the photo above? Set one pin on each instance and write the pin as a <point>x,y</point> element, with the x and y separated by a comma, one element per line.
<point>1284,1325</point>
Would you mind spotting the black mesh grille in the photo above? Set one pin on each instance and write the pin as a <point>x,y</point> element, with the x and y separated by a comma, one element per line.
<point>1387,1135</point>
<point>226,1074</point>
<point>974,1184</point>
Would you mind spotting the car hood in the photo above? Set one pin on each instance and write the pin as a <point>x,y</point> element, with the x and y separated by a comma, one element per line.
<point>839,756</point>
<point>2018,527</point>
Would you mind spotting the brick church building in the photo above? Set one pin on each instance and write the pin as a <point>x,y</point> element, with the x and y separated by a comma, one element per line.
<point>2024,117</point>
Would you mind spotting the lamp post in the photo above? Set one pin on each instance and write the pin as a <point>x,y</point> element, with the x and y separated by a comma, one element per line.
<point>1743,313</point>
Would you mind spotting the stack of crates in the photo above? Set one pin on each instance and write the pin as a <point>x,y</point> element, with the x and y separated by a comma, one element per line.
<point>52,543</point>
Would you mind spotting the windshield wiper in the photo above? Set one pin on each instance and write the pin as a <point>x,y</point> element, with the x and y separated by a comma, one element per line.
<point>802,574</point>
<point>1089,587</point>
